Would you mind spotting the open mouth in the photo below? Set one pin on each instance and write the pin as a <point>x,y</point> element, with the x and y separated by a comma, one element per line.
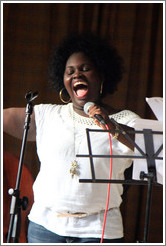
<point>80,89</point>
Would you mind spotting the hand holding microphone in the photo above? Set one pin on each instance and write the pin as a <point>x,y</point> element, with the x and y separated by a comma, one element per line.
<point>95,112</point>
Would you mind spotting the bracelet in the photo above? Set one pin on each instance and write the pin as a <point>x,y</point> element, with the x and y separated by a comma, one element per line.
<point>116,135</point>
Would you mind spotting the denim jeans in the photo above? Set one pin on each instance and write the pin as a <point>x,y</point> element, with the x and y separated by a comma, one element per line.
<point>38,234</point>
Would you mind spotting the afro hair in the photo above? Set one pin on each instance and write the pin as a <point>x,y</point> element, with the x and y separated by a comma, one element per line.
<point>104,56</point>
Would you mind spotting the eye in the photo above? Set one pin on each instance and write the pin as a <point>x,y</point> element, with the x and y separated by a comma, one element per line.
<point>85,68</point>
<point>69,71</point>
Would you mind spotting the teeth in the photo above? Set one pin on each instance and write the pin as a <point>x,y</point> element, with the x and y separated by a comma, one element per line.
<point>80,83</point>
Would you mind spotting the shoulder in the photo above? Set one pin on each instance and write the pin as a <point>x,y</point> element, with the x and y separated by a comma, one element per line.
<point>125,117</point>
<point>47,109</point>
<point>52,111</point>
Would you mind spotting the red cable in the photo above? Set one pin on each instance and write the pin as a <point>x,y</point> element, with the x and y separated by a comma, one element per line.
<point>108,191</point>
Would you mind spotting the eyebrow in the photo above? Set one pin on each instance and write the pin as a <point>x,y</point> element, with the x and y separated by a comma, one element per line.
<point>71,66</point>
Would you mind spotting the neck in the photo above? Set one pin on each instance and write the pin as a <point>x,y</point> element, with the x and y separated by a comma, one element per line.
<point>79,110</point>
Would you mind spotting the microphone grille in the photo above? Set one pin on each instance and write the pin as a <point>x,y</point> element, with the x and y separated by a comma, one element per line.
<point>87,106</point>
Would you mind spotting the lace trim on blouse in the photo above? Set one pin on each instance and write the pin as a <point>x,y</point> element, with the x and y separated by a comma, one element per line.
<point>121,117</point>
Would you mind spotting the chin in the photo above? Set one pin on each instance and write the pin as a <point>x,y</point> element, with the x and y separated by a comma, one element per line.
<point>79,103</point>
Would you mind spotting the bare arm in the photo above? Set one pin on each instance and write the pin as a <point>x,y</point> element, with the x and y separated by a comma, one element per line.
<point>13,123</point>
<point>120,137</point>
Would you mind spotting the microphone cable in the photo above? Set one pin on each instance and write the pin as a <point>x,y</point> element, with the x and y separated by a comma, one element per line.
<point>109,184</point>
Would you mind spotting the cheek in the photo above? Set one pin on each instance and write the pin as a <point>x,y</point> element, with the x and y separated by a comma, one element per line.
<point>66,81</point>
<point>67,84</point>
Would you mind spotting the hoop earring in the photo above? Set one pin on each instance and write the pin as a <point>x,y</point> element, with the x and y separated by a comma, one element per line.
<point>60,96</point>
<point>101,88</point>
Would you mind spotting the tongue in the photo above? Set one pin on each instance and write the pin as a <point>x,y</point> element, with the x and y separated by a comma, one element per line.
<point>82,92</point>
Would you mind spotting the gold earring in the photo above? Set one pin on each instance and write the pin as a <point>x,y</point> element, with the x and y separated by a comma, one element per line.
<point>60,96</point>
<point>101,88</point>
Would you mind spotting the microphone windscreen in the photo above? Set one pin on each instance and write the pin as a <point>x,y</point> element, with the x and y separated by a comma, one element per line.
<point>87,106</point>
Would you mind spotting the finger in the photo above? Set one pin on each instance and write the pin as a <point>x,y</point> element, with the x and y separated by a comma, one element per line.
<point>95,110</point>
<point>99,124</point>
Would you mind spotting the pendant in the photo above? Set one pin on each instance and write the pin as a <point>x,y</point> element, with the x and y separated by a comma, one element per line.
<point>74,168</point>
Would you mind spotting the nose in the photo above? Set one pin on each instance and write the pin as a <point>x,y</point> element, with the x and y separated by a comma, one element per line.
<point>77,74</point>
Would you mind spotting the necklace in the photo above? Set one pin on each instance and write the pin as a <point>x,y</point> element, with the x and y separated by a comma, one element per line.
<point>74,169</point>
<point>83,122</point>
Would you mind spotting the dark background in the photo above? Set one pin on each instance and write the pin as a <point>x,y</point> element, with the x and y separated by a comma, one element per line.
<point>32,30</point>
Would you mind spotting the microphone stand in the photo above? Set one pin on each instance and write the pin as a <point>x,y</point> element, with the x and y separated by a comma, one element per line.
<point>16,202</point>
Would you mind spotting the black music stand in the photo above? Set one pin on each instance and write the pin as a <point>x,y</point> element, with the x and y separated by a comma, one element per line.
<point>16,202</point>
<point>150,155</point>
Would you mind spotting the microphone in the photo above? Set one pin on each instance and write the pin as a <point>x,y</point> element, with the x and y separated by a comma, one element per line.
<point>96,116</point>
<point>31,96</point>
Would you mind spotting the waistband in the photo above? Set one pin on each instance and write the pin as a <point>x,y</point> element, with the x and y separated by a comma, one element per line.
<point>80,214</point>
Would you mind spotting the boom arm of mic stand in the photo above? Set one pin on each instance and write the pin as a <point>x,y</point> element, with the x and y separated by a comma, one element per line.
<point>16,202</point>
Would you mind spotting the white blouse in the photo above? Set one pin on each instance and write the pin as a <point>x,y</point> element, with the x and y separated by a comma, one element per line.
<point>58,194</point>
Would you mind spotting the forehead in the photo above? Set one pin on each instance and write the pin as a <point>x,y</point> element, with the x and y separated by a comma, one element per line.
<point>77,58</point>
